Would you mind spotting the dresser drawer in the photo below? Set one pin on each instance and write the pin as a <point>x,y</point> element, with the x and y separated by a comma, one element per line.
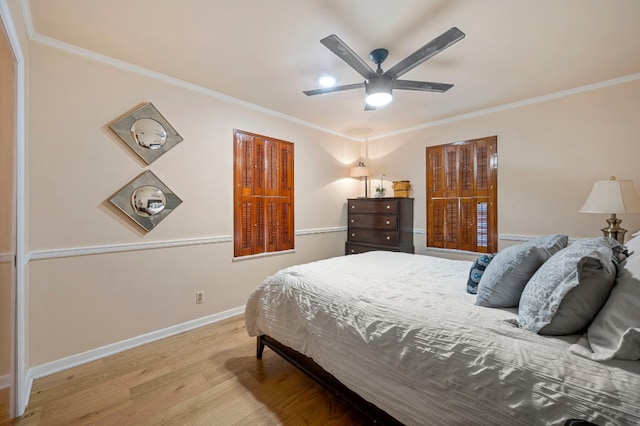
<point>374,237</point>
<point>356,248</point>
<point>388,222</point>
<point>372,206</point>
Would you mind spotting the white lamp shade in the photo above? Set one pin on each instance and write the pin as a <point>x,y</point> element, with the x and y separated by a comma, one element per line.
<point>359,171</point>
<point>612,196</point>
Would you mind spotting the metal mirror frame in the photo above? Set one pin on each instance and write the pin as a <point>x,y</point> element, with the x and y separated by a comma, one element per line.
<point>122,200</point>
<point>123,126</point>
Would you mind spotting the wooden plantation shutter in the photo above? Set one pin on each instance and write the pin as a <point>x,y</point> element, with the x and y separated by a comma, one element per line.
<point>263,194</point>
<point>462,195</point>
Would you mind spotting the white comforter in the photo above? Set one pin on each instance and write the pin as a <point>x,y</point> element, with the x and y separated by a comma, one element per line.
<point>401,331</point>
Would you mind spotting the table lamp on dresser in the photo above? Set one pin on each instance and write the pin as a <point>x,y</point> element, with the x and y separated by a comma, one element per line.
<point>361,171</point>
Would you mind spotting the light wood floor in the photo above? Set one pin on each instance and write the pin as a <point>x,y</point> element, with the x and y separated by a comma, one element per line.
<point>4,404</point>
<point>208,376</point>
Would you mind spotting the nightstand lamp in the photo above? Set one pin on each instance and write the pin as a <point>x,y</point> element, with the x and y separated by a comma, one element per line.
<point>361,171</point>
<point>613,197</point>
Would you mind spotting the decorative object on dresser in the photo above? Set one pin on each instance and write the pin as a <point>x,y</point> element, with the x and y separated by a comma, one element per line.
<point>401,188</point>
<point>379,224</point>
<point>380,189</point>
<point>613,197</point>
<point>361,171</point>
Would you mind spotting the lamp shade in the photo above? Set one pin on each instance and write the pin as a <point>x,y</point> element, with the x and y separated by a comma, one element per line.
<point>612,196</point>
<point>359,171</point>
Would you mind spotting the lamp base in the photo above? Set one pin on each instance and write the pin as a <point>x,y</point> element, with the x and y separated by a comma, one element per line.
<point>614,230</point>
<point>366,185</point>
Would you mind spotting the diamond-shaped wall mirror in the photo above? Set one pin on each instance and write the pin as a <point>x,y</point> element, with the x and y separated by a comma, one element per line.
<point>146,200</point>
<point>146,132</point>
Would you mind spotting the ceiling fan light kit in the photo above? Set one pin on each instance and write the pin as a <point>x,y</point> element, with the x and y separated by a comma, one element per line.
<point>379,85</point>
<point>378,90</point>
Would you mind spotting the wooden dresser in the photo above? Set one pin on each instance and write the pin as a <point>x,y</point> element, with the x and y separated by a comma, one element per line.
<point>379,224</point>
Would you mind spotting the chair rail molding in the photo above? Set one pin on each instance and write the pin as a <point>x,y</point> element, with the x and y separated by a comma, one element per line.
<point>116,248</point>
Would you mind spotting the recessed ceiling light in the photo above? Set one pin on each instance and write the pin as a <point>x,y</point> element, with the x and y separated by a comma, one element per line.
<point>327,81</point>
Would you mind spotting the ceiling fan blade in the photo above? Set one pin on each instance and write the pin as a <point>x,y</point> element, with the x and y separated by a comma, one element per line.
<point>333,89</point>
<point>425,86</point>
<point>344,52</point>
<point>430,49</point>
<point>368,107</point>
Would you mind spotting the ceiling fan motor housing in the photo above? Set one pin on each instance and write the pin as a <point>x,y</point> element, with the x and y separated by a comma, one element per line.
<point>378,56</point>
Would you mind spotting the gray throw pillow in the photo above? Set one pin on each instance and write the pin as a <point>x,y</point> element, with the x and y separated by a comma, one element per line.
<point>620,252</point>
<point>509,271</point>
<point>568,290</point>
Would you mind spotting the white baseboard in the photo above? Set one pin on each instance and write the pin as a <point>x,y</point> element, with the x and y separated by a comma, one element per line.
<point>6,381</point>
<point>74,360</point>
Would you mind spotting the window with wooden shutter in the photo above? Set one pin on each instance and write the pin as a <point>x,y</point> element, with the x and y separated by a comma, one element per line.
<point>462,205</point>
<point>263,194</point>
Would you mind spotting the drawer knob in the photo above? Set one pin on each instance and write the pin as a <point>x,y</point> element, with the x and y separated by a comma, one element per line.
<point>388,238</point>
<point>353,207</point>
<point>353,221</point>
<point>388,222</point>
<point>388,206</point>
<point>353,251</point>
<point>353,235</point>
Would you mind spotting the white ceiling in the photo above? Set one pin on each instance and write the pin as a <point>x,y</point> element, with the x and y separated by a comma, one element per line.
<point>268,52</point>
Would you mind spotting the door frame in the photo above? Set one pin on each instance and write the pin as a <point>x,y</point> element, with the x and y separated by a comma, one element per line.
<point>22,384</point>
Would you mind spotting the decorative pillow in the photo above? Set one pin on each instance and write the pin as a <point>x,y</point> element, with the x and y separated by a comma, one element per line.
<point>615,331</point>
<point>477,269</point>
<point>620,252</point>
<point>509,271</point>
<point>567,291</point>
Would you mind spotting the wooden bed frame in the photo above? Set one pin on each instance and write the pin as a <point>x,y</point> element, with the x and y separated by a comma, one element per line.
<point>328,381</point>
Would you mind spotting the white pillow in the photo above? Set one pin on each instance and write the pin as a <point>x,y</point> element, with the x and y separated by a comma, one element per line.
<point>634,243</point>
<point>615,331</point>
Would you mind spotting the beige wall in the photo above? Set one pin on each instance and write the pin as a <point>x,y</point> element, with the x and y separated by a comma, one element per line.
<point>75,163</point>
<point>82,303</point>
<point>549,155</point>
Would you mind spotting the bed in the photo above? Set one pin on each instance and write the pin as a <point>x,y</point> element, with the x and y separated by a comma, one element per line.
<point>399,336</point>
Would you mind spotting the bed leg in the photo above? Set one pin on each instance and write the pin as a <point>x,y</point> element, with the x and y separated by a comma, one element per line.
<point>259,347</point>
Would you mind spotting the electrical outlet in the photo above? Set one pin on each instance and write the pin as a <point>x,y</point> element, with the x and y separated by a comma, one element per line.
<point>199,297</point>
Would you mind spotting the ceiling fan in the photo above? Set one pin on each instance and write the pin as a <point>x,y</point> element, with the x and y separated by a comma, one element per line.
<point>378,85</point>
